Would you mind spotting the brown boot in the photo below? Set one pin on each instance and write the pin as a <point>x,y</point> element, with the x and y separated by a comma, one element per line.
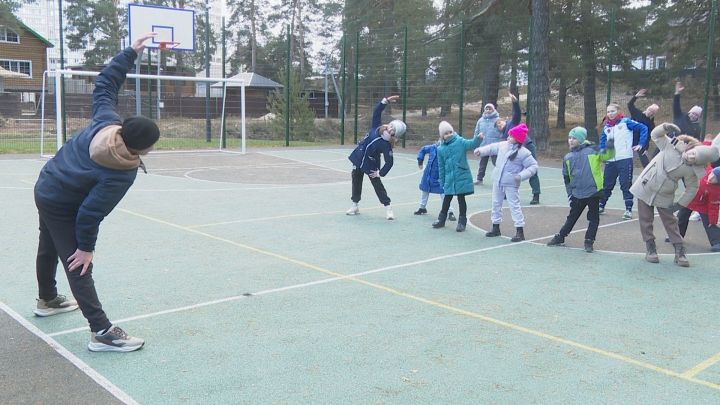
<point>680,258</point>
<point>651,254</point>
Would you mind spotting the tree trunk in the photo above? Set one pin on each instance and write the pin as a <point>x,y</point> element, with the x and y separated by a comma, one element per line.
<point>589,103</point>
<point>491,72</point>
<point>253,36</point>
<point>538,109</point>
<point>562,98</point>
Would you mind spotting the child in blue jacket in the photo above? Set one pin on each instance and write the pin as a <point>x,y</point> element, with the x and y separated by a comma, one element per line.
<point>366,157</point>
<point>430,181</point>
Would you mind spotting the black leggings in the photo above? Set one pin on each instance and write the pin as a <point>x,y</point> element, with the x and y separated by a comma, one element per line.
<point>461,203</point>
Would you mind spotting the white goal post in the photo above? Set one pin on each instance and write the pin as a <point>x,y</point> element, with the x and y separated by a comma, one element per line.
<point>60,74</point>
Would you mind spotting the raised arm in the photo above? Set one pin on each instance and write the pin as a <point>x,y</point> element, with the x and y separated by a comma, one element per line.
<point>516,113</point>
<point>379,108</point>
<point>677,110</point>
<point>109,81</point>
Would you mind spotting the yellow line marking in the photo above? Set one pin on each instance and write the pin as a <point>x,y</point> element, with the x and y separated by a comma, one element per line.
<point>702,366</point>
<point>686,376</point>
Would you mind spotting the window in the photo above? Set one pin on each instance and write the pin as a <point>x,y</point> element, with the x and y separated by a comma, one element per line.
<point>18,66</point>
<point>8,35</point>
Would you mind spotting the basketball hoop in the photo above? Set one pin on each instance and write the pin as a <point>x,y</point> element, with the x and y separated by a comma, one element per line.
<point>167,45</point>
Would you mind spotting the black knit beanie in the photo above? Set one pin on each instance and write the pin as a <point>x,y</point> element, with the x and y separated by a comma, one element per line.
<point>139,132</point>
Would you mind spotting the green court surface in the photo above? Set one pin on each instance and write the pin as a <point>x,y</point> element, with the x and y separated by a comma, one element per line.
<point>251,285</point>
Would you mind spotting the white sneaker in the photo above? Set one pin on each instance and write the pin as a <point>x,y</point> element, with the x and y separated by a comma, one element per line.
<point>389,213</point>
<point>695,216</point>
<point>354,209</point>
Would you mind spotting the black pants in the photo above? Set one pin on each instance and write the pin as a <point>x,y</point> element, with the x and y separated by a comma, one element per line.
<point>357,182</point>
<point>712,231</point>
<point>577,206</point>
<point>462,204</point>
<point>57,239</point>
<point>483,166</point>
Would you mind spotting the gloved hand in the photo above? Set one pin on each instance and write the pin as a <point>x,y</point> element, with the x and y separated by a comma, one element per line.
<point>610,144</point>
<point>518,179</point>
<point>420,165</point>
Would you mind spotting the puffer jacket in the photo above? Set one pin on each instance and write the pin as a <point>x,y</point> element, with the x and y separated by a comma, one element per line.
<point>486,126</point>
<point>430,181</point>
<point>583,170</point>
<point>707,199</point>
<point>92,172</point>
<point>658,182</point>
<point>366,155</point>
<point>524,164</point>
<point>455,175</point>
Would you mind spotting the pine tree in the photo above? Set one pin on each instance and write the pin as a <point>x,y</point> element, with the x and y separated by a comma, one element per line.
<point>302,117</point>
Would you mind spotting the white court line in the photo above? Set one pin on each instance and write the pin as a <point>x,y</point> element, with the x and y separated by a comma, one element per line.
<point>322,281</point>
<point>81,365</point>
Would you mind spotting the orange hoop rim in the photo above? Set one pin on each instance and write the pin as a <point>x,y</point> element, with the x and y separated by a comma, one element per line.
<point>167,45</point>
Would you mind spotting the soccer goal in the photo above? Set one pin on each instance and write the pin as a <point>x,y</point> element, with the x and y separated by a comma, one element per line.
<point>188,119</point>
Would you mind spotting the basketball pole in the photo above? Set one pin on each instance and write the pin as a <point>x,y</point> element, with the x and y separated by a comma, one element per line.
<point>159,98</point>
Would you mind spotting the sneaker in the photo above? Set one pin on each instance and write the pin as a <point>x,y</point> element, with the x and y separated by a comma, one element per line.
<point>557,240</point>
<point>627,214</point>
<point>354,210</point>
<point>695,216</point>
<point>55,306</point>
<point>601,210</point>
<point>478,182</point>
<point>114,340</point>
<point>389,213</point>
<point>420,211</point>
<point>451,217</point>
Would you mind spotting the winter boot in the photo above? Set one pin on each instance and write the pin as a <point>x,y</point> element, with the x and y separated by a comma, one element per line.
<point>651,254</point>
<point>440,223</point>
<point>420,211</point>
<point>589,245</point>
<point>462,221</point>
<point>535,200</point>
<point>495,231</point>
<point>519,235</point>
<point>557,240</point>
<point>680,258</point>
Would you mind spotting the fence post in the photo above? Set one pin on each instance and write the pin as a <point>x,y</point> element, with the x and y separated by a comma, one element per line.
<point>287,89</point>
<point>207,72</point>
<point>404,85</point>
<point>611,48</point>
<point>461,64</point>
<point>342,101</point>
<point>223,138</point>
<point>357,83</point>
<point>530,52</point>
<point>710,62</point>
<point>62,77</point>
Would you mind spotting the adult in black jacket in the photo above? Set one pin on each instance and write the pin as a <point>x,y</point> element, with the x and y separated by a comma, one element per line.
<point>646,117</point>
<point>77,189</point>
<point>689,123</point>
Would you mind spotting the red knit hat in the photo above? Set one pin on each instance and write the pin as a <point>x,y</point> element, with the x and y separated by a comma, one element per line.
<point>519,133</point>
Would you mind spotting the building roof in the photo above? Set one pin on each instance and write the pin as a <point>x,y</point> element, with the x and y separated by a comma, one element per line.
<point>31,31</point>
<point>251,80</point>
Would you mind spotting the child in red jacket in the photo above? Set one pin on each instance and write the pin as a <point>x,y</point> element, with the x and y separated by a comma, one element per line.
<point>707,203</point>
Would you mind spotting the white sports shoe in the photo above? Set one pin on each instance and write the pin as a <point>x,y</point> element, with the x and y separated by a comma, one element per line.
<point>389,213</point>
<point>695,216</point>
<point>354,209</point>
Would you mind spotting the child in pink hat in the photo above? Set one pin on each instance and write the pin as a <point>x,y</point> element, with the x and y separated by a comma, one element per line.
<point>515,163</point>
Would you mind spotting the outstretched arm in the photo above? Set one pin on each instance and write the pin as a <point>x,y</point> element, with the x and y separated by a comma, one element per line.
<point>108,82</point>
<point>677,110</point>
<point>516,113</point>
<point>379,108</point>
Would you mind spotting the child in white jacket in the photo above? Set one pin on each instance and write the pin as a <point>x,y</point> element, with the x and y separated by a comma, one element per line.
<point>514,164</point>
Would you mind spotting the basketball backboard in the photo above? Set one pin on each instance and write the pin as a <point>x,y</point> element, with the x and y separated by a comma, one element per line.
<point>171,25</point>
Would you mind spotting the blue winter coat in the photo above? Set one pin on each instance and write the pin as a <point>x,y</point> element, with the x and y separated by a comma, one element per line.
<point>486,125</point>
<point>366,156</point>
<point>430,181</point>
<point>455,174</point>
<point>71,182</point>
